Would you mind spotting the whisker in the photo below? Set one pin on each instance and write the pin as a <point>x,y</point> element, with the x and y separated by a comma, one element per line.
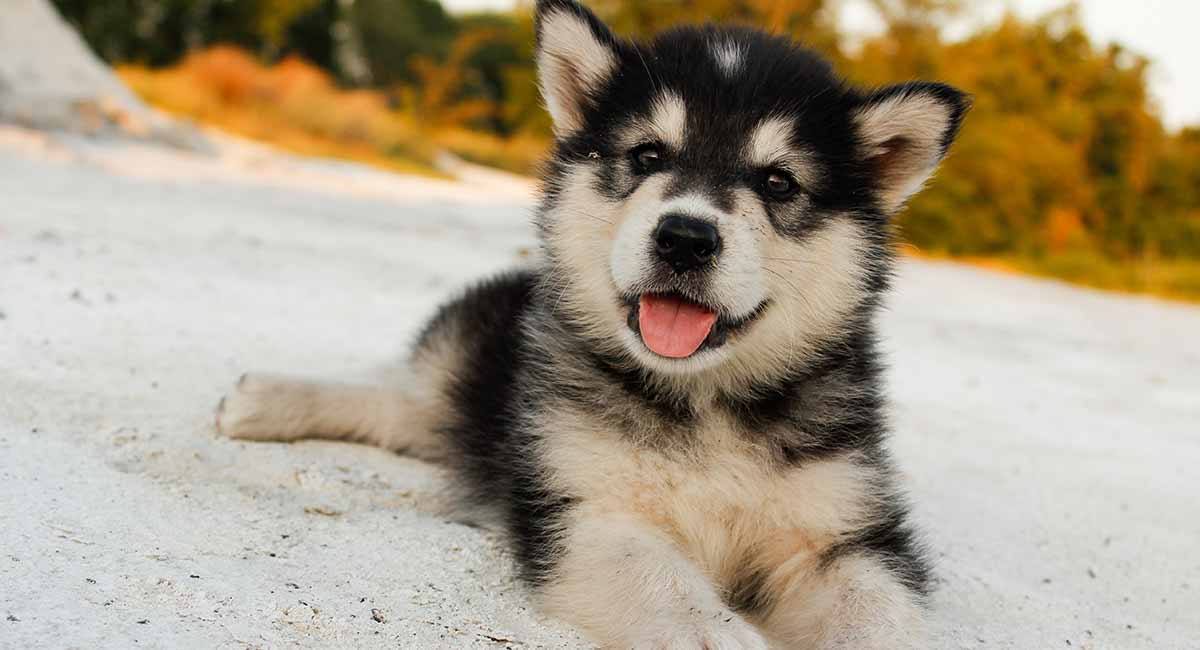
<point>790,259</point>
<point>559,300</point>
<point>792,285</point>
<point>581,213</point>
<point>653,81</point>
<point>784,278</point>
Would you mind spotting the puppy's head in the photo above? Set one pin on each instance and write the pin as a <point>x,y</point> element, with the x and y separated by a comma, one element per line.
<point>718,200</point>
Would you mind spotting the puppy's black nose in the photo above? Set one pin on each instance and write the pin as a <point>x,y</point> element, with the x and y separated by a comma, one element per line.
<point>686,243</point>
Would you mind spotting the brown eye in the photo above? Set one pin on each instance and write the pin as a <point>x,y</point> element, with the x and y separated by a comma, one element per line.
<point>647,158</point>
<point>779,185</point>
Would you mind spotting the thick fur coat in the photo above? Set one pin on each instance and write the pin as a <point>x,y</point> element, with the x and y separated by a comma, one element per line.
<point>715,477</point>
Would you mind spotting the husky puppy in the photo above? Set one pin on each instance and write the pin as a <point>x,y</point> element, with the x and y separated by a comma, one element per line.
<point>677,415</point>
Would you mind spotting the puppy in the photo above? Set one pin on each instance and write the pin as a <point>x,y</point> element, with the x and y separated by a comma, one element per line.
<point>677,415</point>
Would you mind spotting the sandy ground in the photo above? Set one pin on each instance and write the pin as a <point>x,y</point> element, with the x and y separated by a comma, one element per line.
<point>1050,434</point>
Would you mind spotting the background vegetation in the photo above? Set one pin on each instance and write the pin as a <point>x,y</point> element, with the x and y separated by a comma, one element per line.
<point>1064,167</point>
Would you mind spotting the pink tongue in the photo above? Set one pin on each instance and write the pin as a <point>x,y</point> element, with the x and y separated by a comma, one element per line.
<point>672,327</point>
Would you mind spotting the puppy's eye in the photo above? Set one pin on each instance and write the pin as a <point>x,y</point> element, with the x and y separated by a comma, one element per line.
<point>779,185</point>
<point>647,158</point>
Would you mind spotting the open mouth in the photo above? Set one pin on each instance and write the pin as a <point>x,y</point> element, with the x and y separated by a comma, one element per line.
<point>674,327</point>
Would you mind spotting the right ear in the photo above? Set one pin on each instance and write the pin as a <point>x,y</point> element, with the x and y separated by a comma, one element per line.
<point>905,131</point>
<point>576,56</point>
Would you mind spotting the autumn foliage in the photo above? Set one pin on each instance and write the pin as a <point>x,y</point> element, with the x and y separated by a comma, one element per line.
<point>292,104</point>
<point>1063,167</point>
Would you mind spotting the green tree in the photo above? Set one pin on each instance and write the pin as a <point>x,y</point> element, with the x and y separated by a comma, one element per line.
<point>160,32</point>
<point>392,32</point>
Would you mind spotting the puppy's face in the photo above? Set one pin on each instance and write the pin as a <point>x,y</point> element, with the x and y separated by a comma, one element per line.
<point>719,200</point>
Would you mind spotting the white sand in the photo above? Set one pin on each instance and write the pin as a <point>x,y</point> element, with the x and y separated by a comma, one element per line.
<point>1051,435</point>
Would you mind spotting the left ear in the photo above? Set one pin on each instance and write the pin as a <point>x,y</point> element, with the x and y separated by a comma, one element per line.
<point>904,131</point>
<point>576,55</point>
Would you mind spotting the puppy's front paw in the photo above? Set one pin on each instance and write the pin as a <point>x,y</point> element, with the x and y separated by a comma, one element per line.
<point>716,631</point>
<point>261,407</point>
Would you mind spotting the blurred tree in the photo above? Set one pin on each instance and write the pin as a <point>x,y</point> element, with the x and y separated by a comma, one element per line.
<point>811,21</point>
<point>452,92</point>
<point>917,13</point>
<point>1172,199</point>
<point>274,18</point>
<point>1064,151</point>
<point>310,35</point>
<point>490,62</point>
<point>124,30</point>
<point>394,31</point>
<point>159,32</point>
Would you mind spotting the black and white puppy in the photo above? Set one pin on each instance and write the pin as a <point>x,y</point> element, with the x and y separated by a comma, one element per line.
<point>677,414</point>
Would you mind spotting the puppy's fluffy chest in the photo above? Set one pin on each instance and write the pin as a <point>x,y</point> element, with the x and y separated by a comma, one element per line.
<point>719,495</point>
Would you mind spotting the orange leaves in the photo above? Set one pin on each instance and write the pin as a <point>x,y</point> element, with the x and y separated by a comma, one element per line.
<point>292,104</point>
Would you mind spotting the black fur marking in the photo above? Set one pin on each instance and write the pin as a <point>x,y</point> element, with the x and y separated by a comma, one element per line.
<point>634,383</point>
<point>893,543</point>
<point>748,593</point>
<point>796,218</point>
<point>824,409</point>
<point>712,186</point>
<point>483,426</point>
<point>614,179</point>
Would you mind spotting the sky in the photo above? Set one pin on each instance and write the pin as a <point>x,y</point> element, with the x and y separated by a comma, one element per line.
<point>1166,31</point>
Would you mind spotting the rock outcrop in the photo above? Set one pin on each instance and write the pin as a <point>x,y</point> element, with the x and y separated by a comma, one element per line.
<point>51,80</point>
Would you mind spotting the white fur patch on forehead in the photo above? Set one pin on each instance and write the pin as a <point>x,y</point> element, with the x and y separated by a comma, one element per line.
<point>572,64</point>
<point>667,123</point>
<point>771,144</point>
<point>728,55</point>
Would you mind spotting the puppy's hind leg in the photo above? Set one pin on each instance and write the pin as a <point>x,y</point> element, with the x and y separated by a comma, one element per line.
<point>278,408</point>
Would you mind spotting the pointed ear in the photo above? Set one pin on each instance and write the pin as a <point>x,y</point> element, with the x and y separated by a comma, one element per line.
<point>904,132</point>
<point>576,56</point>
